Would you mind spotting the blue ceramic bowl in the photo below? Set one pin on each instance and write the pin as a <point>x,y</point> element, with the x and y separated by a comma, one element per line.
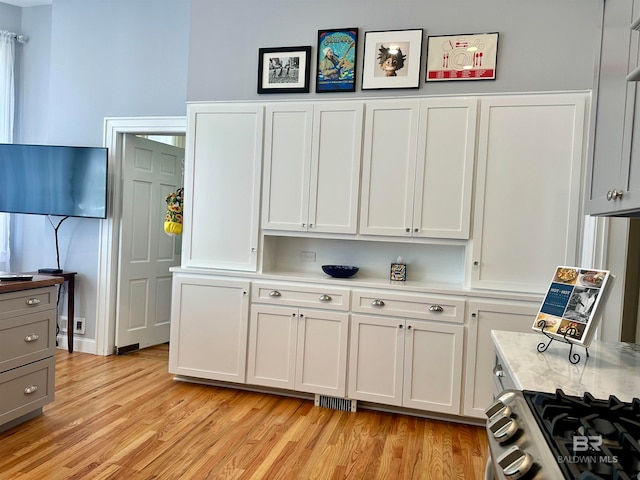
<point>340,271</point>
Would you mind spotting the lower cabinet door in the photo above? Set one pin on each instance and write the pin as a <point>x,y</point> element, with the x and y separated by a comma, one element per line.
<point>375,359</point>
<point>433,366</point>
<point>272,346</point>
<point>209,318</point>
<point>321,359</point>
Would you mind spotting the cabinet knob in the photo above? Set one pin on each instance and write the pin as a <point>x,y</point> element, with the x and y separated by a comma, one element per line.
<point>408,230</point>
<point>409,327</point>
<point>614,194</point>
<point>31,389</point>
<point>324,298</point>
<point>33,301</point>
<point>377,303</point>
<point>311,225</point>
<point>275,293</point>
<point>476,263</point>
<point>304,225</point>
<point>416,230</point>
<point>400,326</point>
<point>498,371</point>
<point>436,308</point>
<point>31,338</point>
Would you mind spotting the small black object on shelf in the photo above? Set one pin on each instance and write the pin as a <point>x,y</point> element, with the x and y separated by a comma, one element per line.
<point>50,270</point>
<point>340,271</point>
<point>574,358</point>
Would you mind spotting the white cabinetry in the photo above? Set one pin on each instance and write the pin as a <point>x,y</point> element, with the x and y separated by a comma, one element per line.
<point>209,327</point>
<point>613,186</point>
<point>405,361</point>
<point>484,316</point>
<point>312,167</point>
<point>527,204</point>
<point>303,349</point>
<point>222,186</point>
<point>418,167</point>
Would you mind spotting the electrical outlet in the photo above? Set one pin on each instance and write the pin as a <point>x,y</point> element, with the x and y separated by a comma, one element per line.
<point>78,328</point>
<point>308,256</point>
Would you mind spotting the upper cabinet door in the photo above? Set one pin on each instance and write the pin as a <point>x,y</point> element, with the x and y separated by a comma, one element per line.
<point>527,200</point>
<point>388,167</point>
<point>444,170</point>
<point>222,186</point>
<point>613,185</point>
<point>287,154</point>
<point>335,167</point>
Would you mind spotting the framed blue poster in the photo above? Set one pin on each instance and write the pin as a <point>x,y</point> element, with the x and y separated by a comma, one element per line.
<point>337,51</point>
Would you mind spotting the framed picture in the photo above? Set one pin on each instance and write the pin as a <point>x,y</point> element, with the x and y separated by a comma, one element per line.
<point>337,50</point>
<point>284,70</point>
<point>462,57</point>
<point>392,59</point>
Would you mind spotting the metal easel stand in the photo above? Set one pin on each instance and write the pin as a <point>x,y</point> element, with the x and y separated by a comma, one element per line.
<point>574,358</point>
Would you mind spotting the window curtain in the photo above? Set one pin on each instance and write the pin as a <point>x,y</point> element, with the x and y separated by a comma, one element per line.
<point>7,61</point>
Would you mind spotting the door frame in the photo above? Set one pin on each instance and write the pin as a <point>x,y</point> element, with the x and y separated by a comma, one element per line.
<point>109,235</point>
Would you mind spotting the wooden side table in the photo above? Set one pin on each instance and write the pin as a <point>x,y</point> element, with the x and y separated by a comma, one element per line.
<point>70,278</point>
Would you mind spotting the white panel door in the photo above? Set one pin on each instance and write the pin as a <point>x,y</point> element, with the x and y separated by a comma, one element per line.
<point>376,353</point>
<point>287,152</point>
<point>222,186</point>
<point>321,359</point>
<point>433,366</point>
<point>334,184</point>
<point>527,202</point>
<point>151,171</point>
<point>272,346</point>
<point>209,327</point>
<point>388,167</point>
<point>485,316</point>
<point>444,170</point>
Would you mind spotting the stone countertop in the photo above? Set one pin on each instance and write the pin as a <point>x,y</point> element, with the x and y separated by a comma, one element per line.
<point>612,368</point>
<point>38,281</point>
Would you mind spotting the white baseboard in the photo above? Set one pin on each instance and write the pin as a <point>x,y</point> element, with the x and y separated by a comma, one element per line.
<point>84,345</point>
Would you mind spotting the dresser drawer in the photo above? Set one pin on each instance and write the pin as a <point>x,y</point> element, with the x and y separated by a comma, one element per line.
<point>329,298</point>
<point>25,389</point>
<point>27,301</point>
<point>27,338</point>
<point>425,307</point>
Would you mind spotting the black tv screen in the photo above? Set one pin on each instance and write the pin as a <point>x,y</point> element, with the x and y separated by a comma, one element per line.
<point>53,180</point>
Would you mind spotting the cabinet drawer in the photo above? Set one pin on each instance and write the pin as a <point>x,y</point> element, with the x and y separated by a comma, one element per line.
<point>25,389</point>
<point>27,338</point>
<point>426,307</point>
<point>330,298</point>
<point>27,301</point>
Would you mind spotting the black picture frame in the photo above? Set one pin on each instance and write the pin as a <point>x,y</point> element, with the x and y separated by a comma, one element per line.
<point>284,69</point>
<point>337,55</point>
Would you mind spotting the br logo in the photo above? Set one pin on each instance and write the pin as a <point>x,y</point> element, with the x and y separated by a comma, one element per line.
<point>584,443</point>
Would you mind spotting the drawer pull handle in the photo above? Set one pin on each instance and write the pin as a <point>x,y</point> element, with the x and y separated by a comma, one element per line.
<point>275,293</point>
<point>377,303</point>
<point>33,301</point>
<point>31,338</point>
<point>31,389</point>
<point>436,308</point>
<point>325,298</point>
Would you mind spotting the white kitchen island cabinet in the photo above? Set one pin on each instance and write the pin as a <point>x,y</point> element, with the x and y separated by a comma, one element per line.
<point>312,167</point>
<point>418,162</point>
<point>222,186</point>
<point>484,316</point>
<point>527,201</point>
<point>209,334</point>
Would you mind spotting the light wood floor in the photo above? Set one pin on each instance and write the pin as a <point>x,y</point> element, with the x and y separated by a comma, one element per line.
<point>125,418</point>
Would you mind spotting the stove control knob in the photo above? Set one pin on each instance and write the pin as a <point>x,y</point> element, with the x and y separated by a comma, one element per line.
<point>515,463</point>
<point>503,428</point>
<point>498,408</point>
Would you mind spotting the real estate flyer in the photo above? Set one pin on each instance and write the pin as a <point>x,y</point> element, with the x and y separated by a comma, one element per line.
<point>570,307</point>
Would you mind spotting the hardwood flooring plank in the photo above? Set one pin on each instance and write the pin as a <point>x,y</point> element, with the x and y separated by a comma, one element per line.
<point>125,417</point>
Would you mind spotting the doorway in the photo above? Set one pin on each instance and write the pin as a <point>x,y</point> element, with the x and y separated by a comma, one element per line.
<point>110,228</point>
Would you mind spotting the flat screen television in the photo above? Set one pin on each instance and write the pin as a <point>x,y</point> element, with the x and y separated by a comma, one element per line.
<point>53,180</point>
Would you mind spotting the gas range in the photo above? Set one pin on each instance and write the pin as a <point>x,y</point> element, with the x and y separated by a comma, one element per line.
<point>536,435</point>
